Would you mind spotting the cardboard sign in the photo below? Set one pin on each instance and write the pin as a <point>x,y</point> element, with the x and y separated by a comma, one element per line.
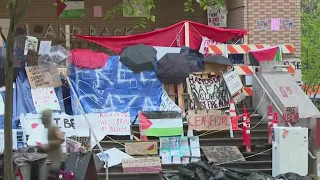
<point>233,81</point>
<point>222,154</point>
<point>204,120</point>
<point>82,166</point>
<point>140,148</point>
<point>150,164</point>
<point>72,146</point>
<point>41,79</point>
<point>211,92</point>
<point>291,114</point>
<point>115,123</point>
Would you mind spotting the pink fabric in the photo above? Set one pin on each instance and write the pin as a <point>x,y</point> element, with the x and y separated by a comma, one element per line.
<point>172,36</point>
<point>88,59</point>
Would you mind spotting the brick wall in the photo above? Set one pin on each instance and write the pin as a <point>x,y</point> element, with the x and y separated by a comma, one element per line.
<point>43,13</point>
<point>284,9</point>
<point>241,14</point>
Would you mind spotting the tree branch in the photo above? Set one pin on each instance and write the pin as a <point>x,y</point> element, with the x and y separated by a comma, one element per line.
<point>22,11</point>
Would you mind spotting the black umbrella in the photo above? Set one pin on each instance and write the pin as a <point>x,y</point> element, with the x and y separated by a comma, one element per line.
<point>139,57</point>
<point>195,58</point>
<point>218,60</point>
<point>173,68</point>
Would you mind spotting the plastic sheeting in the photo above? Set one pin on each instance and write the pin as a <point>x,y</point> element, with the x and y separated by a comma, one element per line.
<point>204,171</point>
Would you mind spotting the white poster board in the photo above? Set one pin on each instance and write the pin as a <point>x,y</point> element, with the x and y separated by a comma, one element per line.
<point>217,16</point>
<point>233,82</point>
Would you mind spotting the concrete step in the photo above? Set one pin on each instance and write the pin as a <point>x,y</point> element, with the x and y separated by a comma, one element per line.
<point>152,176</point>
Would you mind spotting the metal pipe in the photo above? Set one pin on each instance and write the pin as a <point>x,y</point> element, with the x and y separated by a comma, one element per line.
<point>90,127</point>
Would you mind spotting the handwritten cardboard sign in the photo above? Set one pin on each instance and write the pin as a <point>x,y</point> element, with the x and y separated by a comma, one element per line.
<point>150,164</point>
<point>41,79</point>
<point>203,120</point>
<point>72,146</point>
<point>211,92</point>
<point>222,154</point>
<point>115,123</point>
<point>45,98</point>
<point>291,114</point>
<point>139,148</point>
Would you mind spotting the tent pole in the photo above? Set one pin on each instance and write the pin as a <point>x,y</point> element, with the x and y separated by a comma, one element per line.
<point>90,127</point>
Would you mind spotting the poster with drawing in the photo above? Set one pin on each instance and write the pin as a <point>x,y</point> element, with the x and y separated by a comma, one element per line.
<point>179,150</point>
<point>45,98</point>
<point>211,93</point>
<point>31,44</point>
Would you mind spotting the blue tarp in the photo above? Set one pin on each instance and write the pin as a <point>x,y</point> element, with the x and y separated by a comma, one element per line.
<point>115,88</point>
<point>22,99</point>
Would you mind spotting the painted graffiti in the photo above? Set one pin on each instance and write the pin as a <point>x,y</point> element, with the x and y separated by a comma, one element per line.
<point>50,31</point>
<point>115,88</point>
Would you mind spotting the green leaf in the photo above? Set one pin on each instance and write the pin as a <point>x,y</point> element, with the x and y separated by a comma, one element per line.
<point>153,18</point>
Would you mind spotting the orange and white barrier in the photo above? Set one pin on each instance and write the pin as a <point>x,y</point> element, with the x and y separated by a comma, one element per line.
<point>245,48</point>
<point>249,70</point>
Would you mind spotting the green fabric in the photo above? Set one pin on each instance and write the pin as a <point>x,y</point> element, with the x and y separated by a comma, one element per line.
<point>278,57</point>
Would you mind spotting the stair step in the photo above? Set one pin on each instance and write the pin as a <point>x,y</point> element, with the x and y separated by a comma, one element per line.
<point>154,175</point>
<point>203,142</point>
<point>239,164</point>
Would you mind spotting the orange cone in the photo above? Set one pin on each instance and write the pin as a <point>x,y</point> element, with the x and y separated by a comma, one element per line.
<point>233,116</point>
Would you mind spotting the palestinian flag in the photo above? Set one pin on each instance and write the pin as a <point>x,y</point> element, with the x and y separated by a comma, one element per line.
<point>160,123</point>
<point>266,54</point>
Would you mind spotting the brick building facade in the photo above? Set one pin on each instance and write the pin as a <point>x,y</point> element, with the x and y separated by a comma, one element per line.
<point>42,16</point>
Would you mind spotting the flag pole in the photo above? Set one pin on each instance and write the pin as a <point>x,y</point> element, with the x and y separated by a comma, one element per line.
<point>90,127</point>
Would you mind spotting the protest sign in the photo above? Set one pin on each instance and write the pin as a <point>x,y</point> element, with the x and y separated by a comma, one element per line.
<point>233,82</point>
<point>203,120</point>
<point>177,150</point>
<point>217,16</point>
<point>167,104</point>
<point>72,146</point>
<point>31,44</point>
<point>66,123</point>
<point>204,47</point>
<point>291,114</point>
<point>150,164</point>
<point>115,123</point>
<point>211,92</point>
<point>222,154</point>
<point>45,98</point>
<point>37,78</point>
<point>140,148</point>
